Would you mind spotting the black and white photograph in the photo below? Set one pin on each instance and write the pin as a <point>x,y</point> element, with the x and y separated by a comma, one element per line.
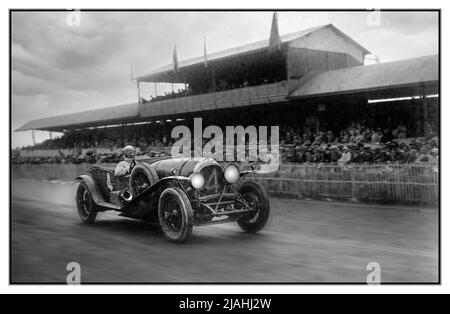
<point>231,146</point>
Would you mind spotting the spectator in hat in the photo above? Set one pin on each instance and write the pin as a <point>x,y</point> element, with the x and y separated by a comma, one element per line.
<point>424,156</point>
<point>346,156</point>
<point>334,154</point>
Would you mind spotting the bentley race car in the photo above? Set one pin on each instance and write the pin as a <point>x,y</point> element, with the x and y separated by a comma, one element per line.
<point>178,193</point>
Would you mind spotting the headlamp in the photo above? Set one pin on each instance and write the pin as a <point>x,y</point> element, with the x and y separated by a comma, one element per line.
<point>231,174</point>
<point>197,181</point>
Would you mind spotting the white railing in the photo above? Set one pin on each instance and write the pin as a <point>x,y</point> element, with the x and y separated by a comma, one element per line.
<point>378,182</point>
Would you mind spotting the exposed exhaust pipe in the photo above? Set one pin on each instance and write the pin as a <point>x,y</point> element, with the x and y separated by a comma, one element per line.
<point>126,196</point>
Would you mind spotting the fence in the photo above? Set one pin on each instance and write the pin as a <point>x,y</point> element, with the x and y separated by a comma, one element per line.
<point>417,183</point>
<point>382,182</point>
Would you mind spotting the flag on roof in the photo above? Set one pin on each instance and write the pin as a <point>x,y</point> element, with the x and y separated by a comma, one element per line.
<point>205,56</point>
<point>274,40</point>
<point>175,59</point>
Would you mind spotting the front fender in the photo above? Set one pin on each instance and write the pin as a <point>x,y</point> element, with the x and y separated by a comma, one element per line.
<point>158,185</point>
<point>93,188</point>
<point>178,179</point>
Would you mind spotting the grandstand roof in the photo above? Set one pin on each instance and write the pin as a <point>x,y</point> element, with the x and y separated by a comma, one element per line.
<point>109,115</point>
<point>241,50</point>
<point>397,75</point>
<point>403,73</point>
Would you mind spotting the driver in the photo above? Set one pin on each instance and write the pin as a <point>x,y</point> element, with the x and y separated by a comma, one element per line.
<point>124,167</point>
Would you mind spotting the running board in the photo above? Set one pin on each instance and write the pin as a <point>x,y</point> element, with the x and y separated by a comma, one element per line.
<point>108,206</point>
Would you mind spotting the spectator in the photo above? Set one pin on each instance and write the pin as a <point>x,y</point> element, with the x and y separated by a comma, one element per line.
<point>346,156</point>
<point>330,137</point>
<point>376,136</point>
<point>424,157</point>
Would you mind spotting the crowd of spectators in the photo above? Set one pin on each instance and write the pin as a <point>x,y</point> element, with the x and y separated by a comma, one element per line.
<point>354,144</point>
<point>355,133</point>
<point>168,95</point>
<point>358,144</point>
<point>88,157</point>
<point>419,150</point>
<point>139,136</point>
<point>221,85</point>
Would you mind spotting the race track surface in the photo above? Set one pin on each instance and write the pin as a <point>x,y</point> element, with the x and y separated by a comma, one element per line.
<point>304,242</point>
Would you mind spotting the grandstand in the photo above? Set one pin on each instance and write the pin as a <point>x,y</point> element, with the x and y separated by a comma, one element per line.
<point>317,80</point>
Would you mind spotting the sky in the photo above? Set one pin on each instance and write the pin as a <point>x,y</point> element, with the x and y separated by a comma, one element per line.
<point>61,66</point>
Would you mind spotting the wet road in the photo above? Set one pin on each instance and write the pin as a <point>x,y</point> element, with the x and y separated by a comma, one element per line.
<point>305,241</point>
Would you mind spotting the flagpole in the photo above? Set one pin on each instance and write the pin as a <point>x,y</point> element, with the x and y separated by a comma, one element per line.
<point>175,65</point>
<point>138,85</point>
<point>212,72</point>
<point>131,73</point>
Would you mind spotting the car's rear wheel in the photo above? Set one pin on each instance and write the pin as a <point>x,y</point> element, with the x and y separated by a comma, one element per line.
<point>257,198</point>
<point>86,207</point>
<point>175,214</point>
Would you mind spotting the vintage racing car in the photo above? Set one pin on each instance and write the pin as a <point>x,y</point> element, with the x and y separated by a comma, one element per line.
<point>178,193</point>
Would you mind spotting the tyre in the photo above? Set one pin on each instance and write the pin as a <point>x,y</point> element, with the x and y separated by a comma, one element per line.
<point>142,177</point>
<point>256,197</point>
<point>175,214</point>
<point>87,209</point>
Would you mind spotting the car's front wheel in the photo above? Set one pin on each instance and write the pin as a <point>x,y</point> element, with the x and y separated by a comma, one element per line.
<point>175,214</point>
<point>257,198</point>
<point>85,204</point>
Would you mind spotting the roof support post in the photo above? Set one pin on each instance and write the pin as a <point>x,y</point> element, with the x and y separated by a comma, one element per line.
<point>33,137</point>
<point>425,114</point>
<point>213,79</point>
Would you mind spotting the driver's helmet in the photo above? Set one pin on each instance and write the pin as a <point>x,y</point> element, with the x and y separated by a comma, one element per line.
<point>129,152</point>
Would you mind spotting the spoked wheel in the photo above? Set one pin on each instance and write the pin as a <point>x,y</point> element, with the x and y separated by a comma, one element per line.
<point>256,197</point>
<point>142,177</point>
<point>175,214</point>
<point>85,204</point>
<point>140,183</point>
